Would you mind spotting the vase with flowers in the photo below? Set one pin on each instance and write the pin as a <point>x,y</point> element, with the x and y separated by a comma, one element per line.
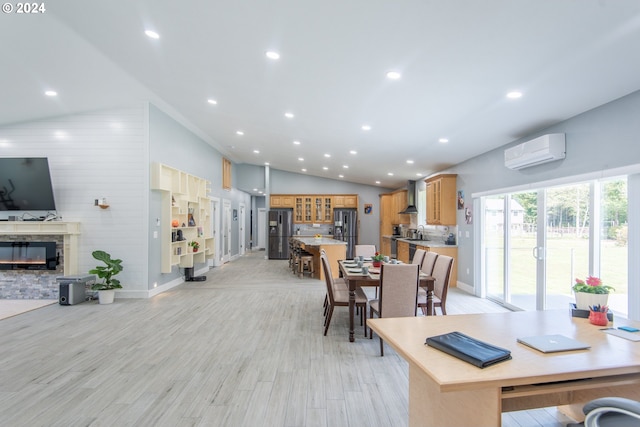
<point>377,259</point>
<point>591,292</point>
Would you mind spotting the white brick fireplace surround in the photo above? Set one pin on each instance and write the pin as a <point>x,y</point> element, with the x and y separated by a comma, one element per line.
<point>39,284</point>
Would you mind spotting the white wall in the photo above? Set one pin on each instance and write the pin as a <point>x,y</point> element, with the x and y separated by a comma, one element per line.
<point>93,155</point>
<point>604,138</point>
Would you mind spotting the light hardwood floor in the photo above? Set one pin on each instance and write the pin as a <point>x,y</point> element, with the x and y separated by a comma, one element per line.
<point>244,348</point>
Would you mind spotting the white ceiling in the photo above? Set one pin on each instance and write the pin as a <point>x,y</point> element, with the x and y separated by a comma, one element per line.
<point>458,60</point>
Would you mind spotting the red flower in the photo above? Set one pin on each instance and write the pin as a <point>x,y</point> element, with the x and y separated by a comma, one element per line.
<point>594,281</point>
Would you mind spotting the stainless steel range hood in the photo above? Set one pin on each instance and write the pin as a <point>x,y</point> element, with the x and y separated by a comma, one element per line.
<point>411,199</point>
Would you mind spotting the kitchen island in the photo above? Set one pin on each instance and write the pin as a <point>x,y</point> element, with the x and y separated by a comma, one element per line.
<point>336,250</point>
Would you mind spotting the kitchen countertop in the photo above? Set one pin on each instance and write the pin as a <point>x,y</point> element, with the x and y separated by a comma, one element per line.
<point>312,241</point>
<point>429,243</point>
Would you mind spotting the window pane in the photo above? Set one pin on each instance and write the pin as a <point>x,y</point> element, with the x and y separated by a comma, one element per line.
<point>613,241</point>
<point>567,253</point>
<point>494,246</point>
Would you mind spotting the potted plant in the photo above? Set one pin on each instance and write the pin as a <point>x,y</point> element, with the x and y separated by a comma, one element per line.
<point>377,259</point>
<point>591,292</point>
<point>106,289</point>
<point>195,245</point>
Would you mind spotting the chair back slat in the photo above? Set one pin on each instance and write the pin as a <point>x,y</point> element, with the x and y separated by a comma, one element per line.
<point>429,262</point>
<point>365,250</point>
<point>418,256</point>
<point>328,277</point>
<point>441,274</point>
<point>399,290</point>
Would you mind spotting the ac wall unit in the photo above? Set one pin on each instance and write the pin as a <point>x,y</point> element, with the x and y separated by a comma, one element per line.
<point>546,148</point>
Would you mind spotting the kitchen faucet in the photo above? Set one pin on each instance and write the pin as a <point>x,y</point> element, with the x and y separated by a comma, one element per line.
<point>421,234</point>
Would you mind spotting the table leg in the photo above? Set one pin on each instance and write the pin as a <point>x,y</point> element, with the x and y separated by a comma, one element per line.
<point>352,306</point>
<point>430,311</point>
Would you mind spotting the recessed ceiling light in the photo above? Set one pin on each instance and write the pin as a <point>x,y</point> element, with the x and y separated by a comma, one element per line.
<point>239,132</point>
<point>296,142</point>
<point>212,101</point>
<point>152,34</point>
<point>51,93</point>
<point>410,162</point>
<point>325,168</point>
<point>345,166</point>
<point>353,152</point>
<point>443,140</point>
<point>393,75</point>
<point>341,176</point>
<point>266,163</point>
<point>272,54</point>
<point>377,182</point>
<point>366,127</point>
<point>301,159</point>
<point>327,155</point>
<point>255,189</point>
<point>390,173</point>
<point>289,115</point>
<point>303,170</point>
<point>256,151</point>
<point>419,174</point>
<point>514,95</point>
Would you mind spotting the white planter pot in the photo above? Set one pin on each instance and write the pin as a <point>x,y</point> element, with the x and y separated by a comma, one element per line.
<point>106,297</point>
<point>584,300</point>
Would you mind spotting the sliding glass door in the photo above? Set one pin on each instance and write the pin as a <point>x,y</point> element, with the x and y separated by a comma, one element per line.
<point>536,243</point>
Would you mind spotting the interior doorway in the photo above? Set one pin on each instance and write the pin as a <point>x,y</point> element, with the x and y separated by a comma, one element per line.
<point>215,227</point>
<point>241,230</point>
<point>226,231</point>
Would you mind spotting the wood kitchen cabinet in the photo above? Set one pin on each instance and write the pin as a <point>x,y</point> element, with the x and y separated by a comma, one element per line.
<point>345,201</point>
<point>282,201</point>
<point>403,252</point>
<point>441,200</point>
<point>385,246</point>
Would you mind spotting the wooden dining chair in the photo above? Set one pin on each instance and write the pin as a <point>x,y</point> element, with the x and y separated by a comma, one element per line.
<point>442,274</point>
<point>338,297</point>
<point>418,257</point>
<point>366,251</point>
<point>427,268</point>
<point>398,293</point>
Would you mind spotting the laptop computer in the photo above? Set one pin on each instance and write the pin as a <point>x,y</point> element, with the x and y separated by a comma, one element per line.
<point>553,343</point>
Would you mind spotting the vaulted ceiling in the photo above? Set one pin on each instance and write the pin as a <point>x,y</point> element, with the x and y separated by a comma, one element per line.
<point>457,60</point>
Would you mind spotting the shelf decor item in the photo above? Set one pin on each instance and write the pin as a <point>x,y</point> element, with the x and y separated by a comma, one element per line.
<point>377,259</point>
<point>591,292</point>
<point>106,289</point>
<point>195,245</point>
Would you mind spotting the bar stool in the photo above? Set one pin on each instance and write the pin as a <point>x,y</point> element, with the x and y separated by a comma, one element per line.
<point>306,264</point>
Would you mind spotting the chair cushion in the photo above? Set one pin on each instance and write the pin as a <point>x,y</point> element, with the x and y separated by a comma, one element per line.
<point>342,297</point>
<point>374,304</point>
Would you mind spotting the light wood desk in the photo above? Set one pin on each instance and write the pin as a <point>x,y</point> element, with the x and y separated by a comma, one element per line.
<point>445,391</point>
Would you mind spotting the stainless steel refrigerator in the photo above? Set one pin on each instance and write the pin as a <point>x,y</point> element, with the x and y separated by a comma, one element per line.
<point>345,228</point>
<point>280,230</point>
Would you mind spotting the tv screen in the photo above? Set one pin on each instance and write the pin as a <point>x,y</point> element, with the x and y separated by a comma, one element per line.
<point>25,184</point>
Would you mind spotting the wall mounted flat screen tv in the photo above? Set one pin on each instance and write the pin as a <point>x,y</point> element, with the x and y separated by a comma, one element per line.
<point>25,184</point>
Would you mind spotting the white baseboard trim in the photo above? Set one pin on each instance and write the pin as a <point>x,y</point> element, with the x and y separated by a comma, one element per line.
<point>123,293</point>
<point>465,287</point>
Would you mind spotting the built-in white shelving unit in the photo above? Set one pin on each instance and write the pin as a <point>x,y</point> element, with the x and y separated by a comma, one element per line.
<point>186,212</point>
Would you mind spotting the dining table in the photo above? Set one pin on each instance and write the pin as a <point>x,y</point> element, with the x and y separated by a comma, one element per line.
<point>354,277</point>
